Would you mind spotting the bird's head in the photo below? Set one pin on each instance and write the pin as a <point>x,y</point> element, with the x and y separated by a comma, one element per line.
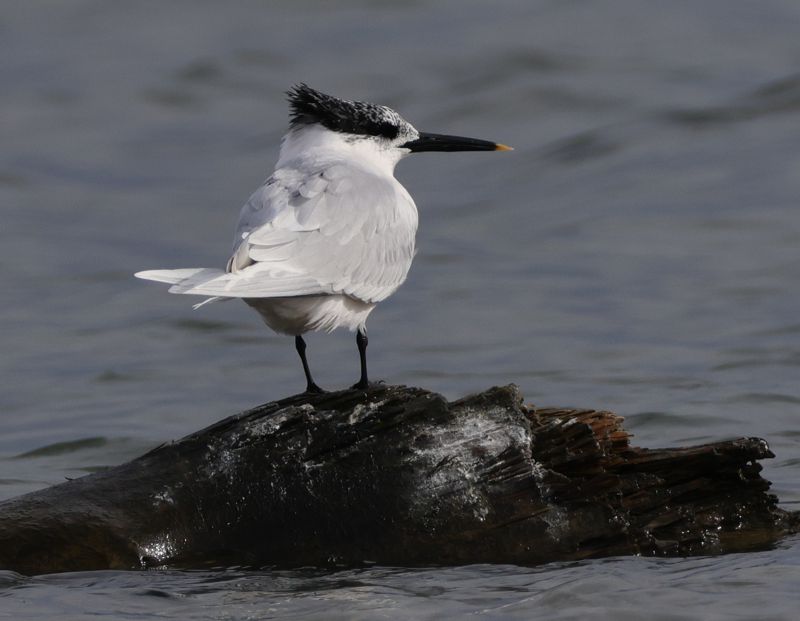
<point>371,127</point>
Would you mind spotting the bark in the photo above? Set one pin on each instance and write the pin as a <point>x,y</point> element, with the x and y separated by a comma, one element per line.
<point>399,476</point>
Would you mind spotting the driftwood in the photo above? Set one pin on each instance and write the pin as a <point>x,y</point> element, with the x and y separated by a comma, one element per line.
<point>399,476</point>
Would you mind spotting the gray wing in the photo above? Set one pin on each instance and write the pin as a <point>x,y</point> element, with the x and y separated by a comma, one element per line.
<point>336,229</point>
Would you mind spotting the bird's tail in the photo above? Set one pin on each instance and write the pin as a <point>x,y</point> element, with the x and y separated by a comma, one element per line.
<point>257,282</point>
<point>184,279</point>
<point>175,277</point>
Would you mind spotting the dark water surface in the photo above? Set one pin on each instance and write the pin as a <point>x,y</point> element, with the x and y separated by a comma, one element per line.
<point>638,251</point>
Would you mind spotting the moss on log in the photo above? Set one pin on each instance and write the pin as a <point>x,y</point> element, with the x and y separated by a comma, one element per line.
<point>400,476</point>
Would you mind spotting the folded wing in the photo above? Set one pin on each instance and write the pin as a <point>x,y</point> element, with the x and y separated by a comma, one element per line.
<point>333,230</point>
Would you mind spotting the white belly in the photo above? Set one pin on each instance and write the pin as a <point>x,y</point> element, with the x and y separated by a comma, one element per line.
<point>311,313</point>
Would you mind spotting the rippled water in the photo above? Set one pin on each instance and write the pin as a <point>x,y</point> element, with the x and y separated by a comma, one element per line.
<point>619,589</point>
<point>638,251</point>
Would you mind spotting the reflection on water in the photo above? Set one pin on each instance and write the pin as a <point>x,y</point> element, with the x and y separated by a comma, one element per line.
<point>638,252</point>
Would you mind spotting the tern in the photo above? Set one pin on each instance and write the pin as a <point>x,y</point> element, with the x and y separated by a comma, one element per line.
<point>331,232</point>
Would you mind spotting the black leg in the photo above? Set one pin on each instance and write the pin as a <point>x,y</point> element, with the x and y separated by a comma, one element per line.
<point>300,346</point>
<point>362,341</point>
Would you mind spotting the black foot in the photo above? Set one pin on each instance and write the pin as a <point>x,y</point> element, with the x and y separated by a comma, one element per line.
<point>362,385</point>
<point>313,389</point>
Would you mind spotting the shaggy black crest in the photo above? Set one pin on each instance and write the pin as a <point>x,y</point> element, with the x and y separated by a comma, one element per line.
<point>352,117</point>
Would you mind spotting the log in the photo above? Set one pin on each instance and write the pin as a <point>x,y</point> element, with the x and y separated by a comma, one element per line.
<point>398,476</point>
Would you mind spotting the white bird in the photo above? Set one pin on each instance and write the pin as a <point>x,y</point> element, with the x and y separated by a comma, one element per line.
<point>331,232</point>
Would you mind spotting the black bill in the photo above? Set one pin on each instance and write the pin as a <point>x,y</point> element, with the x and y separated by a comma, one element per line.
<point>441,142</point>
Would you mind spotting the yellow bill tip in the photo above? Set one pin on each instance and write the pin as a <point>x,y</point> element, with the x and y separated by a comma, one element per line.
<point>502,147</point>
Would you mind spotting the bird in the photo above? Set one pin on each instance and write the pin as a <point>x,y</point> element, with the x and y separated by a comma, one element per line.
<point>331,232</point>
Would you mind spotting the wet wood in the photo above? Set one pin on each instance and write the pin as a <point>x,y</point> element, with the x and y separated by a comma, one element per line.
<point>399,476</point>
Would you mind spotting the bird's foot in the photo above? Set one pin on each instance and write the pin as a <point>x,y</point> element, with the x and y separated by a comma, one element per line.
<point>364,384</point>
<point>313,389</point>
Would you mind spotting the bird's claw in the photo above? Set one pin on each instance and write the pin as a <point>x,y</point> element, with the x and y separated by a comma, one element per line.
<point>361,385</point>
<point>313,389</point>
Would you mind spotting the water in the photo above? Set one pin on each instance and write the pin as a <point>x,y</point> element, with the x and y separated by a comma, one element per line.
<point>618,589</point>
<point>637,252</point>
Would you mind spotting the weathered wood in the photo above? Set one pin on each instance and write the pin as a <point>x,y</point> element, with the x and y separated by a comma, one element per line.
<point>398,476</point>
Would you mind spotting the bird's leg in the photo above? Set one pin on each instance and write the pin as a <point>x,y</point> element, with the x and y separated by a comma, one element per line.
<point>361,341</point>
<point>300,346</point>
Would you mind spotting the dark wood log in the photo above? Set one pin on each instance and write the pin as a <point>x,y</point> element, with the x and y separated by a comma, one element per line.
<point>399,476</point>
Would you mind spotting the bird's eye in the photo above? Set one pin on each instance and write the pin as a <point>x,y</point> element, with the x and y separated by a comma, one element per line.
<point>388,130</point>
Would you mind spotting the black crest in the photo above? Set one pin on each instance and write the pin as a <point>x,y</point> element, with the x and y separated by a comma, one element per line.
<point>351,117</point>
